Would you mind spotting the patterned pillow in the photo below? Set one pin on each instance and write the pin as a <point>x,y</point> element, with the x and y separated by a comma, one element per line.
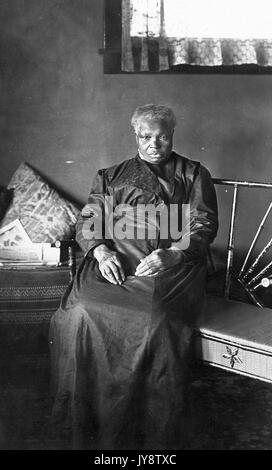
<point>45,215</point>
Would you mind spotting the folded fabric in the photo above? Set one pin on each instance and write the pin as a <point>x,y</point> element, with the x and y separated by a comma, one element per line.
<point>45,215</point>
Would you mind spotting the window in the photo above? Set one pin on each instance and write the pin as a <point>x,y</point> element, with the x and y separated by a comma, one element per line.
<point>163,36</point>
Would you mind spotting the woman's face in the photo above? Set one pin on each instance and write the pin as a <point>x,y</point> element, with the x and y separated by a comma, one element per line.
<point>154,141</point>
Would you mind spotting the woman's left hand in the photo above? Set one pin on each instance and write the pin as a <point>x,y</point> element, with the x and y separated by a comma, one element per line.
<point>158,261</point>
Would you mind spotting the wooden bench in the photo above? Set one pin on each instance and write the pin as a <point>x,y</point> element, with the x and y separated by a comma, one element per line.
<point>235,335</point>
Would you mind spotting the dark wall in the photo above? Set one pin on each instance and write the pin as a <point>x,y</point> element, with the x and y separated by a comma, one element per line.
<point>60,113</point>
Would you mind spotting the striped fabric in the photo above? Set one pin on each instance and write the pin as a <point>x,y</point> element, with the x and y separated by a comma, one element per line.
<point>30,296</point>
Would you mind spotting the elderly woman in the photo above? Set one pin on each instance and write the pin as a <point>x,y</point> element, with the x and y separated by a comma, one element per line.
<point>121,338</point>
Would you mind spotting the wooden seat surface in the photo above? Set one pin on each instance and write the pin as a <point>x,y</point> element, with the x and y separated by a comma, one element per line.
<point>236,336</point>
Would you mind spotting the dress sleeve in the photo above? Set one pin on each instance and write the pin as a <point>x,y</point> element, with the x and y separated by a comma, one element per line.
<point>90,227</point>
<point>203,220</point>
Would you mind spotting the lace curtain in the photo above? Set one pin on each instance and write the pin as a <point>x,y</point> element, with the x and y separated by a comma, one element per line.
<point>159,34</point>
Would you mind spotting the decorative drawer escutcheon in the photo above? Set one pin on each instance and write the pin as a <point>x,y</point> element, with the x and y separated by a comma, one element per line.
<point>232,355</point>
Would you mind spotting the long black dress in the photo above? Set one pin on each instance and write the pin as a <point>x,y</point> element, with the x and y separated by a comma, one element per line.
<point>120,354</point>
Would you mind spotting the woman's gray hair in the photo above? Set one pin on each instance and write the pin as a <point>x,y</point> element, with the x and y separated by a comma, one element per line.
<point>153,112</point>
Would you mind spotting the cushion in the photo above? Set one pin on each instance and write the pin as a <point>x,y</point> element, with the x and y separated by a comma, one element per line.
<point>44,213</point>
<point>5,198</point>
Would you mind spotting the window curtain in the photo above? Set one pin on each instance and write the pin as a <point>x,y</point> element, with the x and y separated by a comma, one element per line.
<point>160,34</point>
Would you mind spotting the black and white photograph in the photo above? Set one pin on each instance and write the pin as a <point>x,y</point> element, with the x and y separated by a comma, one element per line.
<point>135,228</point>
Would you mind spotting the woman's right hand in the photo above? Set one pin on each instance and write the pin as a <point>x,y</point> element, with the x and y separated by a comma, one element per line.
<point>109,264</point>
